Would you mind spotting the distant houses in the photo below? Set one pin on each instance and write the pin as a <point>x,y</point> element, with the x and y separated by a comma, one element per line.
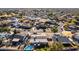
<point>21,30</point>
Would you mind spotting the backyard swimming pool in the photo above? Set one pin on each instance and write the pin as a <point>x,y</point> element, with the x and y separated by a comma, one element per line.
<point>28,48</point>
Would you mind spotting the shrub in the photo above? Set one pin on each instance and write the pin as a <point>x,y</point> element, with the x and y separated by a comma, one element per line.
<point>4,29</point>
<point>54,29</point>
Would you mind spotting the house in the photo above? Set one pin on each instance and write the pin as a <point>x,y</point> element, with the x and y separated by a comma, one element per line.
<point>13,42</point>
<point>16,25</point>
<point>62,39</point>
<point>38,40</point>
<point>17,39</point>
<point>44,20</point>
<point>76,37</point>
<point>35,38</point>
<point>72,27</point>
<point>14,19</point>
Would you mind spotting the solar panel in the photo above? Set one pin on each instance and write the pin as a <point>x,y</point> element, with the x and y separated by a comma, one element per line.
<point>16,36</point>
<point>61,39</point>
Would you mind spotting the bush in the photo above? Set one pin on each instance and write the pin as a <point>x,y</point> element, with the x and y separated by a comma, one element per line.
<point>54,29</point>
<point>4,29</point>
<point>56,46</point>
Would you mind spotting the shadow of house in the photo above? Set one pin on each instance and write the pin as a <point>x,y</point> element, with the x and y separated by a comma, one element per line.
<point>51,23</point>
<point>3,18</point>
<point>41,26</point>
<point>25,27</point>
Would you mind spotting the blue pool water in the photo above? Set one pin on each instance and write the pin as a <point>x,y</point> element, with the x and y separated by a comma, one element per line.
<point>28,48</point>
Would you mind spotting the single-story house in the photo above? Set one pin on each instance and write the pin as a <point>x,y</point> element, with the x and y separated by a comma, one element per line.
<point>17,39</point>
<point>62,39</point>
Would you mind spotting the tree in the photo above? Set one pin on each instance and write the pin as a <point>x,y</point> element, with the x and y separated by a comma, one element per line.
<point>56,46</point>
<point>4,29</point>
<point>66,25</point>
<point>72,21</point>
<point>50,15</point>
<point>54,29</point>
<point>21,20</point>
<point>15,31</point>
<point>43,49</point>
